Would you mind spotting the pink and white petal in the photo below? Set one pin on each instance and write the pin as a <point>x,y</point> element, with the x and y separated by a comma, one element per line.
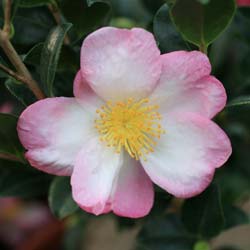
<point>85,95</point>
<point>134,194</point>
<point>185,158</point>
<point>53,131</point>
<point>94,176</point>
<point>186,85</point>
<point>121,63</point>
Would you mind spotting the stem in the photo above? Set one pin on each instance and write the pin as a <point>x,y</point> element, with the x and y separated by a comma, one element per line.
<point>13,74</point>
<point>23,73</point>
<point>19,65</point>
<point>10,157</point>
<point>7,17</point>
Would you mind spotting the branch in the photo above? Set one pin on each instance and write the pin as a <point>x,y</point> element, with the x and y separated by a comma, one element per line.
<point>10,157</point>
<point>14,58</point>
<point>19,65</point>
<point>7,17</point>
<point>13,74</point>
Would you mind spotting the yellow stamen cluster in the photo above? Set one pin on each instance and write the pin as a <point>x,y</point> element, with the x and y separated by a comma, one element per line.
<point>132,125</point>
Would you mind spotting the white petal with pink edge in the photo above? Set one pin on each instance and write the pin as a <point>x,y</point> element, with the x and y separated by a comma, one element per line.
<point>186,85</point>
<point>134,194</point>
<point>104,181</point>
<point>185,158</point>
<point>53,131</point>
<point>85,95</point>
<point>94,176</point>
<point>120,63</point>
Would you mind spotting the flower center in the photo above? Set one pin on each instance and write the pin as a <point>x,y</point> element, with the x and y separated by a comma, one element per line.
<point>132,125</point>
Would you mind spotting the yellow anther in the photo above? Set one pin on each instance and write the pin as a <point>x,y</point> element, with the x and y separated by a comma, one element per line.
<point>131,125</point>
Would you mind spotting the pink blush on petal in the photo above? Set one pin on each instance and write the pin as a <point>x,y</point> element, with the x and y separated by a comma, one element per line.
<point>243,2</point>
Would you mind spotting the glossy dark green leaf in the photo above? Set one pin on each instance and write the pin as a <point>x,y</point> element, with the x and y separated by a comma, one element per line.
<point>234,216</point>
<point>20,91</point>
<point>168,38</point>
<point>86,15</point>
<point>204,1</point>
<point>162,202</point>
<point>153,6</point>
<point>69,60</point>
<point>63,84</point>
<point>19,180</point>
<point>50,56</point>
<point>203,214</point>
<point>33,57</point>
<point>200,23</point>
<point>2,73</point>
<point>33,3</point>
<point>9,142</point>
<point>60,198</point>
<point>32,25</point>
<point>73,236</point>
<point>166,232</point>
<point>170,2</point>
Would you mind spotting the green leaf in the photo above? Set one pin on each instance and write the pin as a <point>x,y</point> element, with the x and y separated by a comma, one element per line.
<point>60,198</point>
<point>19,180</point>
<point>166,34</point>
<point>20,91</point>
<point>50,56</point>
<point>33,57</point>
<point>69,60</point>
<point>153,6</point>
<point>74,231</point>
<point>166,232</point>
<point>32,25</point>
<point>86,15</point>
<point>239,101</point>
<point>33,3</point>
<point>204,1</point>
<point>162,202</point>
<point>203,214</point>
<point>202,245</point>
<point>2,73</point>
<point>63,84</point>
<point>170,2</point>
<point>9,142</point>
<point>200,23</point>
<point>234,216</point>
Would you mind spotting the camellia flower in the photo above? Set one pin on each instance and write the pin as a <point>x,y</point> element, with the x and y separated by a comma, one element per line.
<point>243,2</point>
<point>137,117</point>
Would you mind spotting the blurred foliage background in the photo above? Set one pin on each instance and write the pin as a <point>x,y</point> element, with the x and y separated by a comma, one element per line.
<point>173,224</point>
